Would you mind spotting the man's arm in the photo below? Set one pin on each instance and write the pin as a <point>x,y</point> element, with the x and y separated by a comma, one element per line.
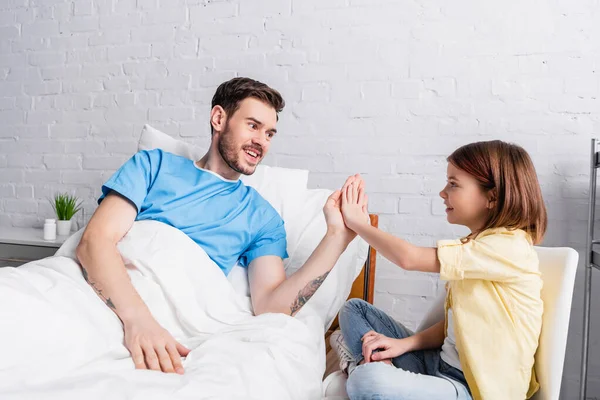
<point>272,292</point>
<point>150,345</point>
<point>101,263</point>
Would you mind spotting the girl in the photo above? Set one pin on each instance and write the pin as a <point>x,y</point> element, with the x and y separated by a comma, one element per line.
<point>485,346</point>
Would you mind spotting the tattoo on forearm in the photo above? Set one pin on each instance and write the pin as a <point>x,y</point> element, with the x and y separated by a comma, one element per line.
<point>108,301</point>
<point>307,292</point>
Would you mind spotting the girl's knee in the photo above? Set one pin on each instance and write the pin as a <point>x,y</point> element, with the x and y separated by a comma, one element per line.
<point>355,304</point>
<point>371,381</point>
<point>361,384</point>
<point>351,307</point>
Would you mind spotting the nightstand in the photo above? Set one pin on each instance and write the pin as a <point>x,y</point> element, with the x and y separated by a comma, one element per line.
<point>22,245</point>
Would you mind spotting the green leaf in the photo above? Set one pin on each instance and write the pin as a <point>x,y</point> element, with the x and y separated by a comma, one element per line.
<point>65,206</point>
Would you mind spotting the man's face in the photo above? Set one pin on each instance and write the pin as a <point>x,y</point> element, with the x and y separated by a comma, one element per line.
<point>246,137</point>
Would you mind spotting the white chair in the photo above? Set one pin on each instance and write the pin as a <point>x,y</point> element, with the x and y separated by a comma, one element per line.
<point>558,266</point>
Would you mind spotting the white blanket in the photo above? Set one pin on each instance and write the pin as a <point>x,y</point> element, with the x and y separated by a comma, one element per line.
<point>58,340</point>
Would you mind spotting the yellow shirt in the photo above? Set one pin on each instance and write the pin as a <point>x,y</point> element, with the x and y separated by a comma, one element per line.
<point>495,294</point>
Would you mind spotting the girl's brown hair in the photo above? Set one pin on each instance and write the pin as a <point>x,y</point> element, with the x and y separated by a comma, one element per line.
<point>508,170</point>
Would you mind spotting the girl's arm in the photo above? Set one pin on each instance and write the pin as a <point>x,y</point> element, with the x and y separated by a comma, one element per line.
<point>400,252</point>
<point>430,338</point>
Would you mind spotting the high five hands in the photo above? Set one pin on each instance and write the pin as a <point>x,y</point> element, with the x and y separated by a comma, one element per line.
<point>354,203</point>
<point>346,209</point>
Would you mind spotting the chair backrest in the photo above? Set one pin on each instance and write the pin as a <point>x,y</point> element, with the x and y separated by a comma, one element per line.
<point>558,266</point>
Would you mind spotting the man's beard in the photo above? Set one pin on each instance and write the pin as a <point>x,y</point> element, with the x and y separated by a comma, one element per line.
<point>230,154</point>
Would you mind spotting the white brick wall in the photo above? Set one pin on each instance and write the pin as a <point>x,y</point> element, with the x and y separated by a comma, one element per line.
<point>381,87</point>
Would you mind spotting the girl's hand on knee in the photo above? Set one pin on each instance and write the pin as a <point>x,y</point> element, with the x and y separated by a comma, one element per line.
<point>369,335</point>
<point>389,348</point>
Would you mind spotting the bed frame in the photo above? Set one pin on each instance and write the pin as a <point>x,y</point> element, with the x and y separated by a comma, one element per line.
<point>364,285</point>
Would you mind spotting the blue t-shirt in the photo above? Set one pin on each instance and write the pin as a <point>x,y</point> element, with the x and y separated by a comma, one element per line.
<point>228,219</point>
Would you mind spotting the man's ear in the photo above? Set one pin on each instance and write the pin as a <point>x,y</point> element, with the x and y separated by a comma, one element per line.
<point>492,198</point>
<point>218,119</point>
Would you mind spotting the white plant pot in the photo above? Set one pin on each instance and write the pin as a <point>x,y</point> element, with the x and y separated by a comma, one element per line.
<point>63,228</point>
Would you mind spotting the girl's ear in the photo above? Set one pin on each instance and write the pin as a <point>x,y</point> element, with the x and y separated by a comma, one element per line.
<point>492,199</point>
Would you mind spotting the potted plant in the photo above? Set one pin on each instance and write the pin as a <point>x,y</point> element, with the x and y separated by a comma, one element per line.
<point>65,206</point>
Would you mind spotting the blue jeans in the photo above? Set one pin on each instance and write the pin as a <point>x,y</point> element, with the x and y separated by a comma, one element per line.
<point>417,375</point>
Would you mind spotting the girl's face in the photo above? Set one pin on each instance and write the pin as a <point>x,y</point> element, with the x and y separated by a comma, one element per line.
<point>466,203</point>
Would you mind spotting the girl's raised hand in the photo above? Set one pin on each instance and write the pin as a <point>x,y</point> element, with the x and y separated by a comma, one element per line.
<point>354,203</point>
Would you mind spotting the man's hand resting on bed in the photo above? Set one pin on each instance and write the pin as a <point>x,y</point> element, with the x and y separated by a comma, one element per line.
<point>151,346</point>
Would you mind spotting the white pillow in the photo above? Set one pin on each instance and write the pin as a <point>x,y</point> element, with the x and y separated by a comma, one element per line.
<point>152,138</point>
<point>302,212</point>
<point>279,186</point>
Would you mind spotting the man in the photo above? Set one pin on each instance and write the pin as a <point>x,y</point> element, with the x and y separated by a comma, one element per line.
<point>207,201</point>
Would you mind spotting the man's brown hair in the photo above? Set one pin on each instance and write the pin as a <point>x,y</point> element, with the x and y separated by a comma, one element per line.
<point>508,170</point>
<point>230,94</point>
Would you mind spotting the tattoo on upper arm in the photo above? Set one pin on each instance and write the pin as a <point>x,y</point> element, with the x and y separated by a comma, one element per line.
<point>307,292</point>
<point>108,301</point>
